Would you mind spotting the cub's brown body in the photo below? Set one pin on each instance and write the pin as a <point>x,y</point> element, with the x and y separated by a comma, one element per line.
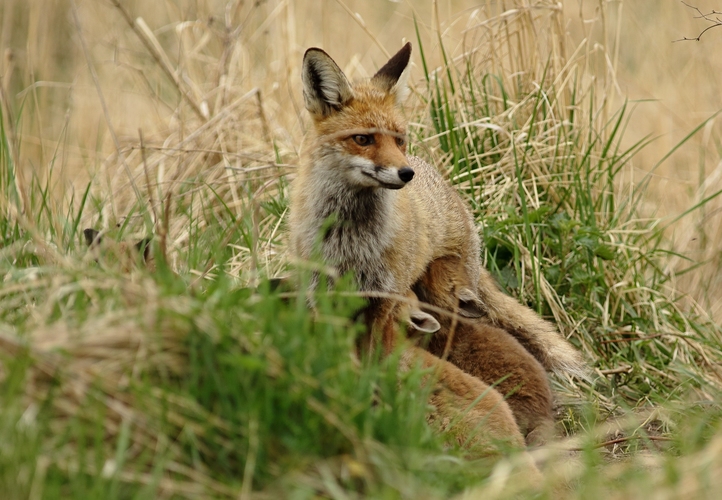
<point>467,407</point>
<point>495,357</point>
<point>488,353</point>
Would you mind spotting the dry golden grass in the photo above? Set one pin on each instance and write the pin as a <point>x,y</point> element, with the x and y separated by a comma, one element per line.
<point>676,87</point>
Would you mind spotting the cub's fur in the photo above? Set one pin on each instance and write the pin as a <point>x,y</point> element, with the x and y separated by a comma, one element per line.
<point>482,420</point>
<point>486,352</point>
<point>387,215</point>
<point>126,255</point>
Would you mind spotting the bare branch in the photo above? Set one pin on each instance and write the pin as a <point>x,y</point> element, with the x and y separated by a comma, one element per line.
<point>712,17</point>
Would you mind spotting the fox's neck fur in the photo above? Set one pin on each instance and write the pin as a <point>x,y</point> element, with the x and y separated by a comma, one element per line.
<point>346,192</point>
<point>361,224</point>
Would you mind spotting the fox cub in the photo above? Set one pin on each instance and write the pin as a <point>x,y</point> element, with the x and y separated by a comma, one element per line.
<point>486,352</point>
<point>387,215</point>
<point>467,407</point>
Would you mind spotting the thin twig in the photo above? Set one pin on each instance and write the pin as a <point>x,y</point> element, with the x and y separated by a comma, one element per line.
<point>101,98</point>
<point>613,371</point>
<point>622,440</point>
<point>716,22</point>
<point>632,339</point>
<point>362,24</point>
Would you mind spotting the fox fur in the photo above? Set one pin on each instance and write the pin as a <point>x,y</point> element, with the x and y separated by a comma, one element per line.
<point>443,285</point>
<point>484,351</point>
<point>538,336</point>
<point>386,215</point>
<point>482,420</point>
<point>355,169</point>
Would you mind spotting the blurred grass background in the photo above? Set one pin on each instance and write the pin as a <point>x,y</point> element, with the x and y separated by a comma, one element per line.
<point>585,140</point>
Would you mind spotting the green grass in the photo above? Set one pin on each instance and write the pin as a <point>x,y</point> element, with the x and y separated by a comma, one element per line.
<point>201,380</point>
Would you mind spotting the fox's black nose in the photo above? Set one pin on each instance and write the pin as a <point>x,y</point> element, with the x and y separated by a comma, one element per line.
<point>406,174</point>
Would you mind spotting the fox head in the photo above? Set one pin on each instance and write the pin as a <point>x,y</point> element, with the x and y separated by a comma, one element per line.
<point>360,133</point>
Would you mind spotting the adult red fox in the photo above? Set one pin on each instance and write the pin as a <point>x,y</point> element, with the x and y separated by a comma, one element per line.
<point>386,215</point>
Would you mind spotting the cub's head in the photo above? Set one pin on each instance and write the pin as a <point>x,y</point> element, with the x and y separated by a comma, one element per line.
<point>445,284</point>
<point>360,133</point>
<point>127,256</point>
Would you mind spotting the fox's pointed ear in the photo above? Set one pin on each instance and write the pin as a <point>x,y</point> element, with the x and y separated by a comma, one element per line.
<point>423,322</point>
<point>325,88</point>
<point>470,305</point>
<point>393,77</point>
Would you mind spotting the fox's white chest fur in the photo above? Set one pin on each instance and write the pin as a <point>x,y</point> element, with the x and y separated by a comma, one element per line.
<point>355,227</point>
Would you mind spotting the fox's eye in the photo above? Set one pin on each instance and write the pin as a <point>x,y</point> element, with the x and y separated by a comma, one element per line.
<point>363,140</point>
<point>400,142</point>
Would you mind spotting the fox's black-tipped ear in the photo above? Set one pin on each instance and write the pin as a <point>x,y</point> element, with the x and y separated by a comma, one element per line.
<point>91,236</point>
<point>394,75</point>
<point>325,88</point>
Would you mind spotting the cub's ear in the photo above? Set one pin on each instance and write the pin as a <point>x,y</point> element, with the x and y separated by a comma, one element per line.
<point>92,237</point>
<point>394,75</point>
<point>423,322</point>
<point>143,248</point>
<point>470,305</point>
<point>325,88</point>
